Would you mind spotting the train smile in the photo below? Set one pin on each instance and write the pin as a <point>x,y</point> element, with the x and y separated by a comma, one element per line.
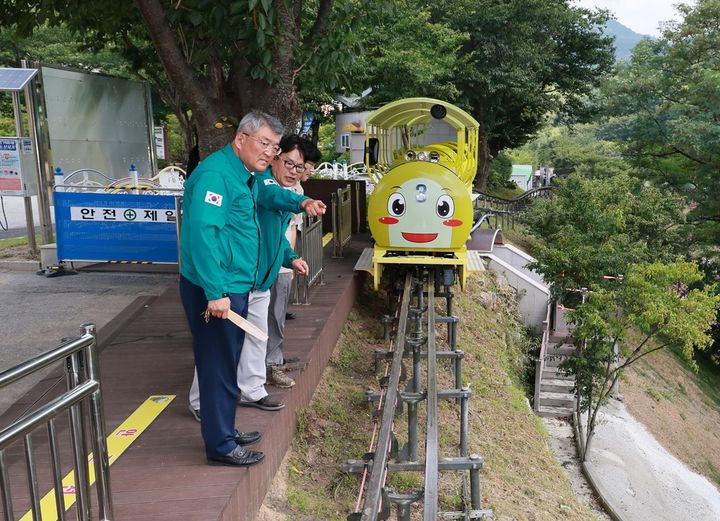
<point>419,237</point>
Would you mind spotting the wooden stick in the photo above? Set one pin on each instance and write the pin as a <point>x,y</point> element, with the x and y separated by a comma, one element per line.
<point>247,326</point>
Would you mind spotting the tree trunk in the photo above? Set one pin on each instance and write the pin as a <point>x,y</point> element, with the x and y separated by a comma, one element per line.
<point>484,159</point>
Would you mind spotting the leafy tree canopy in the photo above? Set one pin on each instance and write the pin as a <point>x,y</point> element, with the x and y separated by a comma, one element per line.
<point>522,61</point>
<point>665,107</point>
<point>215,58</point>
<point>593,228</point>
<point>656,306</point>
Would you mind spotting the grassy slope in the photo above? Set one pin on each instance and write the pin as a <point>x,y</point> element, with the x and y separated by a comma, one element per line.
<point>521,479</point>
<point>680,408</point>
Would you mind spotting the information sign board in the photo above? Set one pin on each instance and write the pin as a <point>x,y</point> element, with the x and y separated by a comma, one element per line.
<point>116,227</point>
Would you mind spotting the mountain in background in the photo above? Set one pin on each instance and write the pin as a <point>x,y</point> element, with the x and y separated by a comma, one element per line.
<point>625,39</point>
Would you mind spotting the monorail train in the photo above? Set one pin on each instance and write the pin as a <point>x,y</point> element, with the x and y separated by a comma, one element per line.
<point>422,154</point>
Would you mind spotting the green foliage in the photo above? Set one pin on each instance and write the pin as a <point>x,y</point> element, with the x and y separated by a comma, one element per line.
<point>663,302</point>
<point>523,60</point>
<point>664,108</point>
<point>597,227</point>
<point>578,149</point>
<point>408,55</point>
<point>500,171</point>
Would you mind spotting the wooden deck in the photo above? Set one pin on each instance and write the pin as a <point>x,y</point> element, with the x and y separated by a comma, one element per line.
<point>147,351</point>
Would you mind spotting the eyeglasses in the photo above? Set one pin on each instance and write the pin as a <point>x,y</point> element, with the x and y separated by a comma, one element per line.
<point>290,166</point>
<point>265,145</point>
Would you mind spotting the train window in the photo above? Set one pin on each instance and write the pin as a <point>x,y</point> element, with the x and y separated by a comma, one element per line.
<point>372,151</point>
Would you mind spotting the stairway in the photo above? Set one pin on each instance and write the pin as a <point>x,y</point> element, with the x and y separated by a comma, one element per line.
<point>556,397</point>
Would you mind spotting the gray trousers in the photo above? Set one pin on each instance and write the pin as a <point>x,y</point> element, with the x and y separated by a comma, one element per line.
<point>279,296</point>
<point>251,368</point>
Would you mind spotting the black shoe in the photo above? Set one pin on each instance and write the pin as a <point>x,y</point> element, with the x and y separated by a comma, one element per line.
<point>239,457</point>
<point>289,316</point>
<point>290,360</point>
<point>265,403</point>
<point>247,438</point>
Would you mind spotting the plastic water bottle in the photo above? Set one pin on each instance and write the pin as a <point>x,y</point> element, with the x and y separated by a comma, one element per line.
<point>58,178</point>
<point>134,181</point>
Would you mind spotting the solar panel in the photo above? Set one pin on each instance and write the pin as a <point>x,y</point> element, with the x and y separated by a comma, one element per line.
<point>15,79</point>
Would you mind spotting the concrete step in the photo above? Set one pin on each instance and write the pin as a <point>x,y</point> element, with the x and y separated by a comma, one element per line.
<point>560,348</point>
<point>556,399</point>
<point>553,373</point>
<point>557,385</point>
<point>554,412</point>
<point>554,360</point>
<point>559,337</point>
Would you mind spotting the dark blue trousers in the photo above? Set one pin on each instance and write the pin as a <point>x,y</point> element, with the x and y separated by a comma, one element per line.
<point>217,345</point>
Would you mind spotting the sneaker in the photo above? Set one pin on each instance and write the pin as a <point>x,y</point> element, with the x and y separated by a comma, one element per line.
<point>265,403</point>
<point>238,457</point>
<point>278,378</point>
<point>195,413</point>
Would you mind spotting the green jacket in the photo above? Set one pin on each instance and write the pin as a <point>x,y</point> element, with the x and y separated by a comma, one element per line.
<point>275,250</point>
<point>220,235</point>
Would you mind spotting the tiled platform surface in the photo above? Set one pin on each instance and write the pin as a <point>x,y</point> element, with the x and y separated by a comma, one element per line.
<point>147,351</point>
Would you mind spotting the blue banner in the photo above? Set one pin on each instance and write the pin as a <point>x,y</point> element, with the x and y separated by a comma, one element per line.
<point>115,227</point>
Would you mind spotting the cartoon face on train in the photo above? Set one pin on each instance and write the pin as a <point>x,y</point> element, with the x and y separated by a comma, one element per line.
<point>420,206</point>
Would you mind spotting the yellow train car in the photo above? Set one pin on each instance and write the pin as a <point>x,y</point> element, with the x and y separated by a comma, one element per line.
<point>422,153</point>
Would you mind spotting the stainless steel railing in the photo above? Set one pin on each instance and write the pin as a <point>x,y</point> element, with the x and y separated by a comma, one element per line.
<point>341,219</point>
<point>311,249</point>
<point>83,392</point>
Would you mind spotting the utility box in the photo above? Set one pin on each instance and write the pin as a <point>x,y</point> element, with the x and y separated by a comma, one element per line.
<point>18,166</point>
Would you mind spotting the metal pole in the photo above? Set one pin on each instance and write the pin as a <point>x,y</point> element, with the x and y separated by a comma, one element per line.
<point>56,469</point>
<point>32,243</point>
<point>32,478</point>
<point>5,486</point>
<point>77,437</point>
<point>475,485</point>
<point>97,423</point>
<point>43,168</point>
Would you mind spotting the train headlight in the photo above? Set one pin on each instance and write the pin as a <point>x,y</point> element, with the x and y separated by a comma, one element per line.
<point>410,155</point>
<point>423,156</point>
<point>434,156</point>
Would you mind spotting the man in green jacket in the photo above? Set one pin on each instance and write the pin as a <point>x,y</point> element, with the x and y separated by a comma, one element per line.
<point>276,253</point>
<point>219,254</point>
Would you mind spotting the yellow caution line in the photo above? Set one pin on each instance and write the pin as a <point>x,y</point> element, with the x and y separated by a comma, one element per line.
<point>327,238</point>
<point>117,443</point>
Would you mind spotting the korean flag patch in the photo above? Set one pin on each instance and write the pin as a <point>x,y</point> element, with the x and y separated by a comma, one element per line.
<point>270,182</point>
<point>213,198</point>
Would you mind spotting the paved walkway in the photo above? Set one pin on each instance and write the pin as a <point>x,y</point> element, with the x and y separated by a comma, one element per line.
<point>641,481</point>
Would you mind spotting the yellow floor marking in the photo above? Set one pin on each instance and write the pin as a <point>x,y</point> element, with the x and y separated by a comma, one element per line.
<point>117,442</point>
<point>327,238</point>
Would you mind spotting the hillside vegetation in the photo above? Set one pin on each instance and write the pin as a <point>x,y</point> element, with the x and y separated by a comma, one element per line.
<point>521,480</point>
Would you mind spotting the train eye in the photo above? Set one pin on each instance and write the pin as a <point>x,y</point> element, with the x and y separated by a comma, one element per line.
<point>445,206</point>
<point>396,204</point>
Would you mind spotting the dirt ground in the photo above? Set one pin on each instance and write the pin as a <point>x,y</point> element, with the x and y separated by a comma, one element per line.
<point>661,394</point>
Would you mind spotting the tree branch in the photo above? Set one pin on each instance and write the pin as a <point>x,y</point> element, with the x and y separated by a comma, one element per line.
<point>178,70</point>
<point>320,26</point>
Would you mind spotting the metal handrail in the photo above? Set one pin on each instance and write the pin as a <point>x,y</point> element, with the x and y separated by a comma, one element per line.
<point>311,250</point>
<point>83,381</point>
<point>341,219</point>
<point>540,362</point>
